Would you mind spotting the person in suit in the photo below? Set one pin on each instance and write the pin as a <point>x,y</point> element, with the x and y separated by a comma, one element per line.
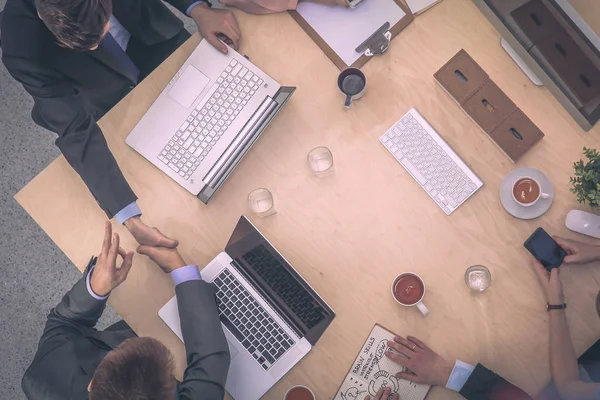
<point>572,378</point>
<point>428,367</point>
<point>75,361</point>
<point>78,58</point>
<point>275,6</point>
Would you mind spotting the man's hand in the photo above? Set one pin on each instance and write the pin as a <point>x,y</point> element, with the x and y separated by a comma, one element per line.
<point>579,253</point>
<point>212,23</point>
<point>383,394</point>
<point>148,236</point>
<point>106,276</point>
<point>167,259</point>
<point>426,365</point>
<point>551,283</point>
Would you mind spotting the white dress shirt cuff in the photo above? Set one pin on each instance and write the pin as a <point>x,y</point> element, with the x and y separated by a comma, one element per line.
<point>89,287</point>
<point>187,273</point>
<point>459,376</point>
<point>129,211</point>
<point>189,9</point>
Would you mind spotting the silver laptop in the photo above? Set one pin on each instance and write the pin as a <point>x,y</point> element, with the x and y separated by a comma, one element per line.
<point>270,314</point>
<point>207,118</point>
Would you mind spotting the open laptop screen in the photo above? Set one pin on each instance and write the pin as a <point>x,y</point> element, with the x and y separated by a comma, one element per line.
<point>272,275</point>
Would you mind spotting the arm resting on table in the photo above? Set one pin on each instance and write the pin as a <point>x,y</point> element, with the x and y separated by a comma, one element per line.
<point>206,348</point>
<point>59,108</point>
<point>485,384</point>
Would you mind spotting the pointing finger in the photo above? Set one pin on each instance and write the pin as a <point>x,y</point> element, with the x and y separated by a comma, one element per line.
<point>107,237</point>
<point>114,250</point>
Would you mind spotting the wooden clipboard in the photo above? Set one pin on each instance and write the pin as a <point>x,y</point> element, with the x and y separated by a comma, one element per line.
<point>329,52</point>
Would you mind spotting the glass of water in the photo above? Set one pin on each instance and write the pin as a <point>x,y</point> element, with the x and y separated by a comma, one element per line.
<point>261,202</point>
<point>478,278</point>
<point>320,161</point>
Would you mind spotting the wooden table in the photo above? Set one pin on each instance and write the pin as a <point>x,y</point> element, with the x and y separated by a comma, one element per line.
<point>351,233</point>
<point>589,11</point>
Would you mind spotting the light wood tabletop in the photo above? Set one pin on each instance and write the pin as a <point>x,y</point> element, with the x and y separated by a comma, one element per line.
<point>590,11</point>
<point>351,233</point>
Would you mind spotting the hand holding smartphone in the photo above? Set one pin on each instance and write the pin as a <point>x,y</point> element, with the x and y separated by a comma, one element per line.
<point>545,249</point>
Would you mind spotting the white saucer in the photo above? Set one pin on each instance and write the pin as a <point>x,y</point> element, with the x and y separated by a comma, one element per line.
<point>517,210</point>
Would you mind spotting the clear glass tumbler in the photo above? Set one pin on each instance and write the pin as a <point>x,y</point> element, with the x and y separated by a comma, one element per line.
<point>261,202</point>
<point>320,161</point>
<point>478,278</point>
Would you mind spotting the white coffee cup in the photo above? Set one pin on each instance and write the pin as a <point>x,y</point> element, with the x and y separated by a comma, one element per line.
<point>285,396</point>
<point>541,194</point>
<point>418,303</point>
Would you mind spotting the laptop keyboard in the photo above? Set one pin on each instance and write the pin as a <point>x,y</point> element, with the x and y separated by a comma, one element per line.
<point>249,322</point>
<point>293,294</point>
<point>208,121</point>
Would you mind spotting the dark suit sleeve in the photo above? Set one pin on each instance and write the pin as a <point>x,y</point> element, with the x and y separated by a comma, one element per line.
<point>183,5</point>
<point>206,348</point>
<point>484,384</point>
<point>59,108</point>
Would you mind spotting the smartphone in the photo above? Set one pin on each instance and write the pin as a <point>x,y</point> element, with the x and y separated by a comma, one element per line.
<point>545,249</point>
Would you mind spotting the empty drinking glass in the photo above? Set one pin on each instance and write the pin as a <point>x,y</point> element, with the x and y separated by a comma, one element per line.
<point>261,202</point>
<point>478,278</point>
<point>320,161</point>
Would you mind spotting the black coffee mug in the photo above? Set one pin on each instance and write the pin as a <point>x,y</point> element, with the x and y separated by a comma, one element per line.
<point>352,83</point>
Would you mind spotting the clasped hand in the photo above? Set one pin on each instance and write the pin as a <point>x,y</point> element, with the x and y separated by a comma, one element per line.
<point>107,275</point>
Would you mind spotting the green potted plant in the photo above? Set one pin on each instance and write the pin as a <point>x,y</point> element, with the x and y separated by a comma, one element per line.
<point>586,182</point>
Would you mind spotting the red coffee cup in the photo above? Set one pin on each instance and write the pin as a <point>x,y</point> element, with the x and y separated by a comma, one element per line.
<point>299,392</point>
<point>408,290</point>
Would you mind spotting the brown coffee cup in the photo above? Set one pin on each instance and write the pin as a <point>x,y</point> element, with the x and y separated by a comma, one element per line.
<point>526,191</point>
<point>408,290</point>
<point>299,392</point>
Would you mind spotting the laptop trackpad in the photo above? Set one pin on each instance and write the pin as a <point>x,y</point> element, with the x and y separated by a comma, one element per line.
<point>188,87</point>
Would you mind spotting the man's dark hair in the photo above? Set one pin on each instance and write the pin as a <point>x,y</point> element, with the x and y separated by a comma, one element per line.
<point>138,369</point>
<point>77,24</point>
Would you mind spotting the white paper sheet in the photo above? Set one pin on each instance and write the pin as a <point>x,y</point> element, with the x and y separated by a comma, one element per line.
<point>345,29</point>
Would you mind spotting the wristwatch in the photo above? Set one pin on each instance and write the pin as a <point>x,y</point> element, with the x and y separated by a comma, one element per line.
<point>555,307</point>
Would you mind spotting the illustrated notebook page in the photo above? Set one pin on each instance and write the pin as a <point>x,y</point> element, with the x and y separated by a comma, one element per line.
<point>344,29</point>
<point>371,370</point>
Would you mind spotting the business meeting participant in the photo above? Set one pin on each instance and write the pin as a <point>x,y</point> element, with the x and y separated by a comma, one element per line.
<point>275,6</point>
<point>78,58</point>
<point>472,382</point>
<point>573,379</point>
<point>75,361</point>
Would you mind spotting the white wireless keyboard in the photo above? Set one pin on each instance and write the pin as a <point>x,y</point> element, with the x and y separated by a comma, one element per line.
<point>429,159</point>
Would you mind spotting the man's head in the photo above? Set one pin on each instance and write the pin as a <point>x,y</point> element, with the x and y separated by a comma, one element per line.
<point>77,24</point>
<point>139,369</point>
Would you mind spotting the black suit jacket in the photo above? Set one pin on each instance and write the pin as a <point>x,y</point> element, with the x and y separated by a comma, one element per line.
<point>73,89</point>
<point>71,349</point>
<point>484,384</point>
